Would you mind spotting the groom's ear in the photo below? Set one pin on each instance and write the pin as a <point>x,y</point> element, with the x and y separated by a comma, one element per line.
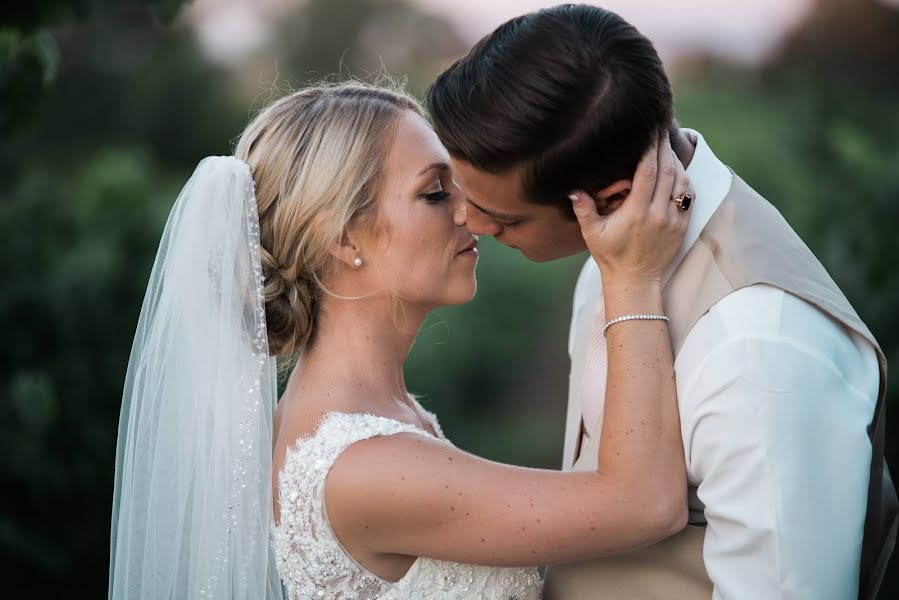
<point>609,198</point>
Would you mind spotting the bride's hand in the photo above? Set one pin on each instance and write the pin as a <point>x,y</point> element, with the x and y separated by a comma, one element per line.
<point>637,241</point>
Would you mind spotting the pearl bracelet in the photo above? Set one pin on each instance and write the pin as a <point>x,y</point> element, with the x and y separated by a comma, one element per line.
<point>634,318</point>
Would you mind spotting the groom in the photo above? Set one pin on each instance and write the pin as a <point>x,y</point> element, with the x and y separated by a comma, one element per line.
<point>780,384</point>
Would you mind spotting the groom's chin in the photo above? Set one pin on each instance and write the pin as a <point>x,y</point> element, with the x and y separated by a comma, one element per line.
<point>546,255</point>
<point>548,244</point>
<point>530,255</point>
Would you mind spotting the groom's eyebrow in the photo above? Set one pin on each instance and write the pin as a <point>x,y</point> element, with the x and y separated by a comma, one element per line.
<point>495,214</point>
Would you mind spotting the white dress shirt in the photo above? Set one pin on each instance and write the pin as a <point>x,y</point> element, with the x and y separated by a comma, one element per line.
<point>775,398</point>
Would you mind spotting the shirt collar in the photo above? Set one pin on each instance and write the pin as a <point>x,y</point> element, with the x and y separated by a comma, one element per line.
<point>711,181</point>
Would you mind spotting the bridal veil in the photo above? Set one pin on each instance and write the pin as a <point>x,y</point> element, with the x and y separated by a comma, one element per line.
<point>192,505</point>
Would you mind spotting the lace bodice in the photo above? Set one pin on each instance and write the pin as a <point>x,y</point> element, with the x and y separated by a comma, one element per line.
<point>312,562</point>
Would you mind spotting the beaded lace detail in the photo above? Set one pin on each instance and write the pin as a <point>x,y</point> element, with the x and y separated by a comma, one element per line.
<point>312,562</point>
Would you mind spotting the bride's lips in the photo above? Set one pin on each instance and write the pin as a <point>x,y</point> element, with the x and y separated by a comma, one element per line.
<point>470,249</point>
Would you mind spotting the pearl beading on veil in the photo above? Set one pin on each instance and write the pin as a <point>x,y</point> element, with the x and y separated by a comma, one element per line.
<point>251,407</point>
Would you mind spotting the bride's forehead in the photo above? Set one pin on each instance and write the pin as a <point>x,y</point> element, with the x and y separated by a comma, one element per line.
<point>415,145</point>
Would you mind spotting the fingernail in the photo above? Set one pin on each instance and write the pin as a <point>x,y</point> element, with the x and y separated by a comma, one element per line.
<point>574,198</point>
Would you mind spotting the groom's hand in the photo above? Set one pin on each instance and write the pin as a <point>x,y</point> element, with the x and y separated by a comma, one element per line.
<point>636,243</point>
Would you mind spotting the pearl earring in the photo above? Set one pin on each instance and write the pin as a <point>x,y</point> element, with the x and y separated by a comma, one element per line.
<point>357,262</point>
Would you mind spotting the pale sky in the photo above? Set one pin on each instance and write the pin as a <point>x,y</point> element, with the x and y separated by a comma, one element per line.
<point>738,30</point>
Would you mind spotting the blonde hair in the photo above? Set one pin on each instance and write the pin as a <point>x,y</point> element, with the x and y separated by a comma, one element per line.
<point>317,158</point>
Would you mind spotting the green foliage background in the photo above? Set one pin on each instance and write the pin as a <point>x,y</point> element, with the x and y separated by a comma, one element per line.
<point>106,107</point>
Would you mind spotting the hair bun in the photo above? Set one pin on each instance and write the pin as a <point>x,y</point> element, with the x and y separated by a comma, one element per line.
<point>289,307</point>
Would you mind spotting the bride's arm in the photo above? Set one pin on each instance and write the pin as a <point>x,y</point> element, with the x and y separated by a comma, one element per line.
<point>411,495</point>
<point>641,420</point>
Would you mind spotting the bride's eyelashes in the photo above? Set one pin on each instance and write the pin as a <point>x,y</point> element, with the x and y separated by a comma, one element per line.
<point>436,196</point>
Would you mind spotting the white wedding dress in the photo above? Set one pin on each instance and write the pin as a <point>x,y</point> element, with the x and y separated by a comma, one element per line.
<point>312,562</point>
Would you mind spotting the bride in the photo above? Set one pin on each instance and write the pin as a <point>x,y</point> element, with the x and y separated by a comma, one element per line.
<point>325,241</point>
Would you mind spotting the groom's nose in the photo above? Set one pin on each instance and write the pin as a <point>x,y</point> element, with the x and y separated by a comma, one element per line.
<point>479,223</point>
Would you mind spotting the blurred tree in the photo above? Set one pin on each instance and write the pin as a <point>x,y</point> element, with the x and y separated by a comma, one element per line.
<point>29,58</point>
<point>126,81</point>
<point>851,42</point>
<point>364,36</point>
<point>88,186</point>
<point>82,244</point>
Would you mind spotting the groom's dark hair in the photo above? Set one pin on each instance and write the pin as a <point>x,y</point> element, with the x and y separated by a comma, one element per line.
<point>573,94</point>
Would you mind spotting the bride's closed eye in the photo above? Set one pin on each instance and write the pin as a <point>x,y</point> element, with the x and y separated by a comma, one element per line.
<point>435,196</point>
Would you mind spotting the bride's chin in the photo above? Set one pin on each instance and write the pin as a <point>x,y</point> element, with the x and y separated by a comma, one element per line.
<point>459,293</point>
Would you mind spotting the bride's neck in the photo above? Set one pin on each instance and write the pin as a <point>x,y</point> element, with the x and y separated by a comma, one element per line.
<point>363,344</point>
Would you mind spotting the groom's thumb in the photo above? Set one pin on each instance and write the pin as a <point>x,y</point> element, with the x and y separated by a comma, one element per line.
<point>584,208</point>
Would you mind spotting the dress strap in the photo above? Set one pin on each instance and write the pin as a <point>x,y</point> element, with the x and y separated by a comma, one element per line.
<point>310,558</point>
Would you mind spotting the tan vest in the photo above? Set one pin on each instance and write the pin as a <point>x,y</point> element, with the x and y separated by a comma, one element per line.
<point>746,242</point>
